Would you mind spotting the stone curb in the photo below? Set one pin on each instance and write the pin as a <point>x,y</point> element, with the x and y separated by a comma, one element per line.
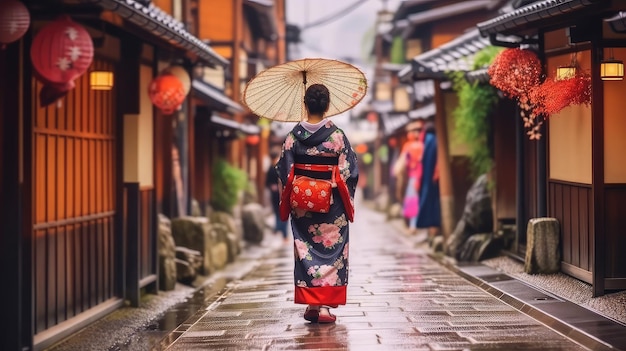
<point>547,319</point>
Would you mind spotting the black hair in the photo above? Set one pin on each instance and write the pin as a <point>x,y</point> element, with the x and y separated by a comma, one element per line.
<point>317,98</point>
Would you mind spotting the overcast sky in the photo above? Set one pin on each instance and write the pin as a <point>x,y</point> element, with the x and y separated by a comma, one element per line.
<point>338,39</point>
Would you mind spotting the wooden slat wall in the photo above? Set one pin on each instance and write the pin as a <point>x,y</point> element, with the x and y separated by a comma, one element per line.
<point>571,205</point>
<point>73,202</point>
<point>147,239</point>
<point>615,217</point>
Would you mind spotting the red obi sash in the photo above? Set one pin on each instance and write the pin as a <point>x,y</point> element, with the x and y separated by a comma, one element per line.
<point>285,203</point>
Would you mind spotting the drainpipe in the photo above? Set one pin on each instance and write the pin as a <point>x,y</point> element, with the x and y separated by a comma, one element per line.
<point>520,189</point>
<point>542,181</point>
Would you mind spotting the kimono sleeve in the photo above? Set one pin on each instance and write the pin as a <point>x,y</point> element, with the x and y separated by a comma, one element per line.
<point>284,169</point>
<point>349,167</point>
<point>286,161</point>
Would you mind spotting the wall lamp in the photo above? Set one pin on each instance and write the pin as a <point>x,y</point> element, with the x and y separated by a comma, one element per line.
<point>612,69</point>
<point>101,80</point>
<point>565,72</point>
<point>569,71</point>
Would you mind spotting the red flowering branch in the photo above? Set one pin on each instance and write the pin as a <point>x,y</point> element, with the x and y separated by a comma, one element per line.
<point>554,95</point>
<point>517,73</point>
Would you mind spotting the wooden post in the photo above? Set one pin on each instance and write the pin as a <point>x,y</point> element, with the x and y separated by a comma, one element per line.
<point>15,298</point>
<point>598,272</point>
<point>446,192</point>
<point>237,151</point>
<point>133,254</point>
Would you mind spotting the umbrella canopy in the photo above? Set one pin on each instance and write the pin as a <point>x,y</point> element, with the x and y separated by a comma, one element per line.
<point>278,92</point>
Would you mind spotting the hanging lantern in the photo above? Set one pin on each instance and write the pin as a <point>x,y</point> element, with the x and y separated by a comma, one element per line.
<point>180,73</point>
<point>252,139</point>
<point>167,93</point>
<point>14,21</point>
<point>101,80</point>
<point>392,142</point>
<point>361,148</point>
<point>61,52</point>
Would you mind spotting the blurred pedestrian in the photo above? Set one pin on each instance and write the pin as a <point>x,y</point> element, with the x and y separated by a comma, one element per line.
<point>271,183</point>
<point>316,162</point>
<point>429,215</point>
<point>410,164</point>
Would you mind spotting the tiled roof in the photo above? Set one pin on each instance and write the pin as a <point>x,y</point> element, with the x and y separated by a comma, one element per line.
<point>546,11</point>
<point>234,125</point>
<point>266,17</point>
<point>456,55</point>
<point>392,122</point>
<point>209,92</point>
<point>442,12</point>
<point>618,22</point>
<point>161,24</point>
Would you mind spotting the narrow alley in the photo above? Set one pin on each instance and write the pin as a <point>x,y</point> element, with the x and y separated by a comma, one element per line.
<point>398,298</point>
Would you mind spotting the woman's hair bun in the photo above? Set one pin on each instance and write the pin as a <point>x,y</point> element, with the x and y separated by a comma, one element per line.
<point>317,98</point>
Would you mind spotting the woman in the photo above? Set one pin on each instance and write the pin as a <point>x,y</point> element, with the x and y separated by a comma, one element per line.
<point>429,215</point>
<point>318,149</point>
<point>412,152</point>
<point>271,183</point>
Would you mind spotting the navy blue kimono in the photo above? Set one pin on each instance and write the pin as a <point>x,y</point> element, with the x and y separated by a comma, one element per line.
<point>320,239</point>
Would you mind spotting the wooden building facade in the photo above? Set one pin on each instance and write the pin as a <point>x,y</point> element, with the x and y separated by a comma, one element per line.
<point>579,168</point>
<point>84,178</point>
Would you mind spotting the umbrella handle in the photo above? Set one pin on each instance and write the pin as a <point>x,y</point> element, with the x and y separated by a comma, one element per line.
<point>304,77</point>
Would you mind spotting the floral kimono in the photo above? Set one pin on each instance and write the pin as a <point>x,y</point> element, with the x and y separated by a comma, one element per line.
<point>320,239</point>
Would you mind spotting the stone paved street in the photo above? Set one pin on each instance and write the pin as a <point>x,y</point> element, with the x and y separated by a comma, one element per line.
<point>398,299</point>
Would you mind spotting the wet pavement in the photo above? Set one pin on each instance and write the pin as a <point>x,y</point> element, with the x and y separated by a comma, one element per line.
<point>399,297</point>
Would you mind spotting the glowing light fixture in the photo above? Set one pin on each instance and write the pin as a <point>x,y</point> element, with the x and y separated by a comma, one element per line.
<point>612,69</point>
<point>101,80</point>
<point>568,71</point>
<point>565,72</point>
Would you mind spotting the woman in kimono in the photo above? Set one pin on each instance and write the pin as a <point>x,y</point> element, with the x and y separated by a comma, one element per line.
<point>429,215</point>
<point>314,148</point>
<point>412,151</point>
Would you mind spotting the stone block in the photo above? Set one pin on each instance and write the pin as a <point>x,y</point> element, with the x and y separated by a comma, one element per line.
<point>542,246</point>
<point>194,233</point>
<point>253,219</point>
<point>185,272</point>
<point>219,255</point>
<point>166,253</point>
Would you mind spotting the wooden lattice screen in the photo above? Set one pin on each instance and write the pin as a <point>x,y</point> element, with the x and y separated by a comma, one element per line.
<point>73,168</point>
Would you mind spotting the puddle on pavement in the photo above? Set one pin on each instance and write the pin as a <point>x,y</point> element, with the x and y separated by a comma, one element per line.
<point>176,315</point>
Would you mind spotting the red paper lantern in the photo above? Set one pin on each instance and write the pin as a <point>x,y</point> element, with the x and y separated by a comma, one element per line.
<point>361,148</point>
<point>253,139</point>
<point>392,142</point>
<point>166,92</point>
<point>61,52</point>
<point>14,21</point>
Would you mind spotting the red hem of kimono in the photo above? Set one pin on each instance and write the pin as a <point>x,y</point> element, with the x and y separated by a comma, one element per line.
<point>322,295</point>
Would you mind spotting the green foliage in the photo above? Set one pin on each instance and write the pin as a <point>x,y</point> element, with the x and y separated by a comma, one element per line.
<point>228,182</point>
<point>397,50</point>
<point>471,116</point>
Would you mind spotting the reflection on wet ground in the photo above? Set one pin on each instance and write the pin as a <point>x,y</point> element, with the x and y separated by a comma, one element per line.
<point>398,299</point>
<point>146,338</point>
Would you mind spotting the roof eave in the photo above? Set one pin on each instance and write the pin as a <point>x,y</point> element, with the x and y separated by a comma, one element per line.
<point>267,17</point>
<point>162,25</point>
<point>547,13</point>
